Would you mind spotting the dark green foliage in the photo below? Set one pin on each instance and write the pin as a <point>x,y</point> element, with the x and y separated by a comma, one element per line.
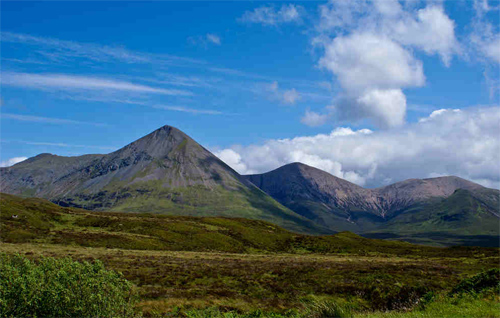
<point>62,288</point>
<point>483,281</point>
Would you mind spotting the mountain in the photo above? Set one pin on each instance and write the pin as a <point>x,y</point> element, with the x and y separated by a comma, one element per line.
<point>163,172</point>
<point>450,208</point>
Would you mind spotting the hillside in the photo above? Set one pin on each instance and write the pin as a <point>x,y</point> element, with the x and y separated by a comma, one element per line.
<point>236,264</point>
<point>37,220</point>
<point>449,210</point>
<point>164,172</point>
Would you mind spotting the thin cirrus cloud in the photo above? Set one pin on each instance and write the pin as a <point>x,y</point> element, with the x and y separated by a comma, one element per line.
<point>75,82</point>
<point>183,109</point>
<point>48,120</point>
<point>188,110</point>
<point>57,144</point>
<point>60,50</point>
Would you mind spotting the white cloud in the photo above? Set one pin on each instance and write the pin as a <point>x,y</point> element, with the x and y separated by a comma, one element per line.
<point>465,143</point>
<point>288,13</point>
<point>233,159</point>
<point>291,96</point>
<point>73,82</point>
<point>372,69</point>
<point>492,49</point>
<point>485,34</point>
<point>365,60</point>
<point>61,50</point>
<point>12,161</point>
<point>437,113</point>
<point>205,40</point>
<point>57,144</point>
<point>215,39</point>
<point>386,107</point>
<point>431,31</point>
<point>313,119</point>
<point>272,90</point>
<point>49,120</point>
<point>368,47</point>
<point>188,110</point>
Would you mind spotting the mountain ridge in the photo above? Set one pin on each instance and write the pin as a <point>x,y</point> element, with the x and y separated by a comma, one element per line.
<point>346,206</point>
<point>165,171</point>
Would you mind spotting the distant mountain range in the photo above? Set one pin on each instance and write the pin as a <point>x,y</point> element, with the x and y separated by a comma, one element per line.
<point>445,209</point>
<point>168,172</point>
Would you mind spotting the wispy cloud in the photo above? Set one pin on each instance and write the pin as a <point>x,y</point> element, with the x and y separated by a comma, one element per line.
<point>61,49</point>
<point>268,15</point>
<point>273,92</point>
<point>214,38</point>
<point>48,120</point>
<point>57,144</point>
<point>72,82</point>
<point>145,103</point>
<point>205,40</point>
<point>188,110</point>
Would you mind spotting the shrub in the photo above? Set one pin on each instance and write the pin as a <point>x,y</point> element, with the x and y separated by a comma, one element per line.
<point>62,288</point>
<point>486,280</point>
<point>326,309</point>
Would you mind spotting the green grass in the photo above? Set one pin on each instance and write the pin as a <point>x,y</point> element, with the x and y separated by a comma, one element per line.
<point>40,221</point>
<point>197,200</point>
<point>235,267</point>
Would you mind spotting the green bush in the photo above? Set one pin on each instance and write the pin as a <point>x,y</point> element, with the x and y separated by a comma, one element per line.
<point>62,288</point>
<point>486,280</point>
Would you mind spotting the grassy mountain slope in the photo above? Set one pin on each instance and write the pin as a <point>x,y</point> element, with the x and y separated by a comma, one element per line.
<point>40,221</point>
<point>164,172</point>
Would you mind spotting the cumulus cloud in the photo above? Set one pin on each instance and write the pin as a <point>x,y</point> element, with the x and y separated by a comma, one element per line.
<point>368,47</point>
<point>431,31</point>
<point>437,113</point>
<point>492,49</point>
<point>313,119</point>
<point>269,15</point>
<point>291,96</point>
<point>272,90</point>
<point>12,161</point>
<point>463,143</point>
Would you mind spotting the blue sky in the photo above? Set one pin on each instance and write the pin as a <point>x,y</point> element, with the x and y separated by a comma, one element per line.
<point>90,77</point>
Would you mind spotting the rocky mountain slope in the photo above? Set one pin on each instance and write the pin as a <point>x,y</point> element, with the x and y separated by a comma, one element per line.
<point>163,172</point>
<point>341,205</point>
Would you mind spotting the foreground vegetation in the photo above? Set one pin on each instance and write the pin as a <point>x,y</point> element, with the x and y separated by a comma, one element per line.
<point>62,288</point>
<point>33,220</point>
<point>192,284</point>
<point>221,267</point>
